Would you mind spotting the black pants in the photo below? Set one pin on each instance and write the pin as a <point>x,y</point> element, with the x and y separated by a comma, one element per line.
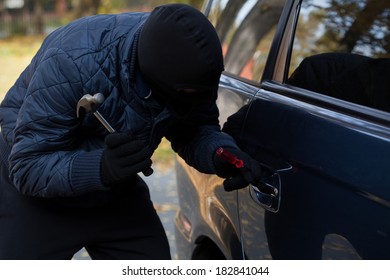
<point>127,228</point>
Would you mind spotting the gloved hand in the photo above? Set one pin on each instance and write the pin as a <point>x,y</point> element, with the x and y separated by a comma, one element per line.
<point>237,178</point>
<point>123,157</point>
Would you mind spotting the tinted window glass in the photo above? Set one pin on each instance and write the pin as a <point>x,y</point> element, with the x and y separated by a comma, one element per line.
<point>341,49</point>
<point>246,30</point>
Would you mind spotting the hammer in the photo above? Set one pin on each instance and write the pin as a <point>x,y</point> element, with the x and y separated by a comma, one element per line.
<point>90,103</point>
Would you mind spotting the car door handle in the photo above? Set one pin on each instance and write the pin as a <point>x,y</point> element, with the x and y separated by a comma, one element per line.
<point>266,188</point>
<point>267,192</point>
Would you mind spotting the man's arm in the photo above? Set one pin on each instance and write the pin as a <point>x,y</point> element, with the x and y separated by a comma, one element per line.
<point>44,159</point>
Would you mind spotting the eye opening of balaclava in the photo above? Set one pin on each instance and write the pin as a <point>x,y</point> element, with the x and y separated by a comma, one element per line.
<point>180,55</point>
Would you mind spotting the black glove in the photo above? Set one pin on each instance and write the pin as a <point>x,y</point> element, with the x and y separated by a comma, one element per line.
<point>123,157</point>
<point>237,177</point>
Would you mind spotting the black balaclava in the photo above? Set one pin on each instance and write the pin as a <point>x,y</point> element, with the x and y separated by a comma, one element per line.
<point>180,56</point>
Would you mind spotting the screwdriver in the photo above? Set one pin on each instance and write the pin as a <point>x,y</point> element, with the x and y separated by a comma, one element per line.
<point>232,159</point>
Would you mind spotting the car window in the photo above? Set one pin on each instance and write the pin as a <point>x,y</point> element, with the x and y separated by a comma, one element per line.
<point>342,49</point>
<point>246,30</point>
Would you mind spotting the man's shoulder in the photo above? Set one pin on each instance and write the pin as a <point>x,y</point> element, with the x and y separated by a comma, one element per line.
<point>94,33</point>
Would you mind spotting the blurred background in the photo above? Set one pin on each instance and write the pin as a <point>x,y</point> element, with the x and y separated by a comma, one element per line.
<point>23,26</point>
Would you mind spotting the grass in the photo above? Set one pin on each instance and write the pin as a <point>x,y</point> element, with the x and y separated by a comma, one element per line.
<point>17,52</point>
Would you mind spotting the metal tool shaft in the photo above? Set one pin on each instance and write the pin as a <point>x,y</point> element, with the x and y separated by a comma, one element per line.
<point>89,103</point>
<point>104,122</point>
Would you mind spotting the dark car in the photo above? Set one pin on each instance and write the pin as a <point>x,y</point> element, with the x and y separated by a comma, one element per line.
<point>305,92</point>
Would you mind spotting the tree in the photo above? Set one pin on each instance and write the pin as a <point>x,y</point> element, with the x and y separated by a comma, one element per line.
<point>365,21</point>
<point>226,20</point>
<point>353,25</point>
<point>248,34</point>
<point>39,16</point>
<point>86,7</point>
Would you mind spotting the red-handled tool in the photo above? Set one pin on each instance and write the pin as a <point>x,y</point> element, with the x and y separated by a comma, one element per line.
<point>232,159</point>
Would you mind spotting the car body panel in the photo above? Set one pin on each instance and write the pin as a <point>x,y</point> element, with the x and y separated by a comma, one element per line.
<point>203,201</point>
<point>320,193</point>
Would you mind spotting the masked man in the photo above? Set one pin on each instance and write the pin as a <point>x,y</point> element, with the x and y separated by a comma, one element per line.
<point>67,182</point>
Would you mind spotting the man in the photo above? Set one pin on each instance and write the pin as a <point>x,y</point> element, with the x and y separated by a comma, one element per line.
<point>66,182</point>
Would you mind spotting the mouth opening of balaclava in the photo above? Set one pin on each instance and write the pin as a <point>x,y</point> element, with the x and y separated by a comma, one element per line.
<point>180,55</point>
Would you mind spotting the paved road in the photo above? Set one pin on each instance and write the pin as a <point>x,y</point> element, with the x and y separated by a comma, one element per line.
<point>162,186</point>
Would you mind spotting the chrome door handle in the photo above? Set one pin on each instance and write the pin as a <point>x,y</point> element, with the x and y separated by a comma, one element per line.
<point>266,188</point>
<point>267,192</point>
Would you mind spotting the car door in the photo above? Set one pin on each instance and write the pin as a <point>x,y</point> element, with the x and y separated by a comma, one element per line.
<point>237,22</point>
<point>327,193</point>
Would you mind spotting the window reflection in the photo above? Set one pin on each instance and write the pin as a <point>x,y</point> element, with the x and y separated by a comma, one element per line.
<point>246,30</point>
<point>341,49</point>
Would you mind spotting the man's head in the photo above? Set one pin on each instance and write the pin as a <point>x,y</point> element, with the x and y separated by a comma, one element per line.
<point>180,55</point>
